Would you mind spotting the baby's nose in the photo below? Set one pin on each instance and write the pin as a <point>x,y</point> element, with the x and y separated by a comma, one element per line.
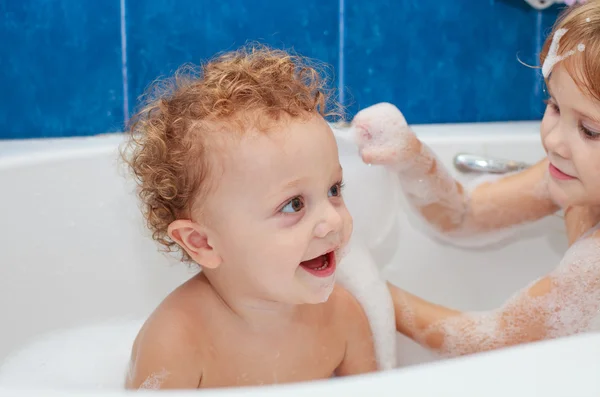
<point>331,223</point>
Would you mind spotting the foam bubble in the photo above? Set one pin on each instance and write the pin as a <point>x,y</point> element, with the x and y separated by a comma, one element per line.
<point>155,380</point>
<point>342,252</point>
<point>360,275</point>
<point>87,357</point>
<point>553,58</point>
<point>381,132</point>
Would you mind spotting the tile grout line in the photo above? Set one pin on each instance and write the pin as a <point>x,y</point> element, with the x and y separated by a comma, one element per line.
<point>124,64</point>
<point>538,44</point>
<point>341,50</point>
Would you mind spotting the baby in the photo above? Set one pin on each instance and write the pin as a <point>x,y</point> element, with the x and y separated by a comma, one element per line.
<point>239,171</point>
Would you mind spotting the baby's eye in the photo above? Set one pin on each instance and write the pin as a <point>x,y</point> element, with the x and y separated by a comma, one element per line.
<point>336,190</point>
<point>294,205</point>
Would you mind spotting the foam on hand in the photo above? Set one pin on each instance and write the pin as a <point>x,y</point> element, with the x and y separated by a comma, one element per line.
<point>439,203</point>
<point>382,135</point>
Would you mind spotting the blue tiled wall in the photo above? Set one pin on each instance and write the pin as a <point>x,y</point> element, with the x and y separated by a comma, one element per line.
<point>72,67</point>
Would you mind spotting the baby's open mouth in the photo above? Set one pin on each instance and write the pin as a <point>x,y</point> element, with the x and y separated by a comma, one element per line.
<point>321,266</point>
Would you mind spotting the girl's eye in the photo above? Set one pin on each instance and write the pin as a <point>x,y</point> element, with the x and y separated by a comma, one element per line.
<point>336,190</point>
<point>294,205</point>
<point>588,133</point>
<point>550,103</point>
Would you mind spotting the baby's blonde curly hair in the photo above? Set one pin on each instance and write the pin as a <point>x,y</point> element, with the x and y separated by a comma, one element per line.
<point>168,150</point>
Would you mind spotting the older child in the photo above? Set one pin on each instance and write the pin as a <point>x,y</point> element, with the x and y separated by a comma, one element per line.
<point>566,301</point>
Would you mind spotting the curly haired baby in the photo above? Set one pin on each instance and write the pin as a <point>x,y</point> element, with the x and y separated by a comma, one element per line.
<point>238,169</point>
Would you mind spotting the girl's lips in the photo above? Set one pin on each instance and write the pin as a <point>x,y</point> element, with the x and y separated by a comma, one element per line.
<point>558,174</point>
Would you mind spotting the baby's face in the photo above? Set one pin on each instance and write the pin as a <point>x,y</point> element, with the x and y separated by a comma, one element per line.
<point>277,207</point>
<point>571,137</point>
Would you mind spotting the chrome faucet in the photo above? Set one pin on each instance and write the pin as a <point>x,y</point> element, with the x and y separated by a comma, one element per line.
<point>466,162</point>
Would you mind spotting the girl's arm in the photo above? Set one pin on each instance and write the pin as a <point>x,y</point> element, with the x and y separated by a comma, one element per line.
<point>444,203</point>
<point>565,302</point>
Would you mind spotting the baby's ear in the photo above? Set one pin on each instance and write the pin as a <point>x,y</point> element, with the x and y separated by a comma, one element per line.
<point>193,239</point>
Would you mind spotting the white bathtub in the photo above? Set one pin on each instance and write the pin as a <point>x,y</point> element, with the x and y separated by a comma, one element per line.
<point>74,252</point>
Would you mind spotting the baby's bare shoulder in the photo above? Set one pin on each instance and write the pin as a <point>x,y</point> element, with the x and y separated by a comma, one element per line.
<point>170,339</point>
<point>187,310</point>
<point>165,354</point>
<point>345,306</point>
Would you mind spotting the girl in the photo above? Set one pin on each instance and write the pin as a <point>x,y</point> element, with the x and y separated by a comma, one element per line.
<point>566,301</point>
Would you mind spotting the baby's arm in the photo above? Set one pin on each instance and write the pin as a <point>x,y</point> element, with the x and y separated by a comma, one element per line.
<point>385,138</point>
<point>565,302</point>
<point>164,357</point>
<point>360,351</point>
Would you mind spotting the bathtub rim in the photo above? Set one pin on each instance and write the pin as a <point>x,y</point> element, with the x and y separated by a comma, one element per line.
<point>32,151</point>
<point>571,363</point>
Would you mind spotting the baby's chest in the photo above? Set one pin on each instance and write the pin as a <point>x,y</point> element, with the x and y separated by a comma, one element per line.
<point>281,360</point>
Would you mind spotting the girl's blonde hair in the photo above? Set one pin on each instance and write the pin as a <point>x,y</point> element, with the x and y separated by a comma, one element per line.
<point>583,27</point>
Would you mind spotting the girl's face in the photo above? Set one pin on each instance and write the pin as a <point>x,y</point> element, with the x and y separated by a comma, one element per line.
<point>570,133</point>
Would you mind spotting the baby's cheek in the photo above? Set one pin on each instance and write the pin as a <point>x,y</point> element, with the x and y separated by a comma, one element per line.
<point>348,225</point>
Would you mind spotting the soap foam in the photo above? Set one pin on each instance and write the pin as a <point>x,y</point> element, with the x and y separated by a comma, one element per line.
<point>87,357</point>
<point>382,135</point>
<point>155,380</point>
<point>553,58</point>
<point>360,275</point>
